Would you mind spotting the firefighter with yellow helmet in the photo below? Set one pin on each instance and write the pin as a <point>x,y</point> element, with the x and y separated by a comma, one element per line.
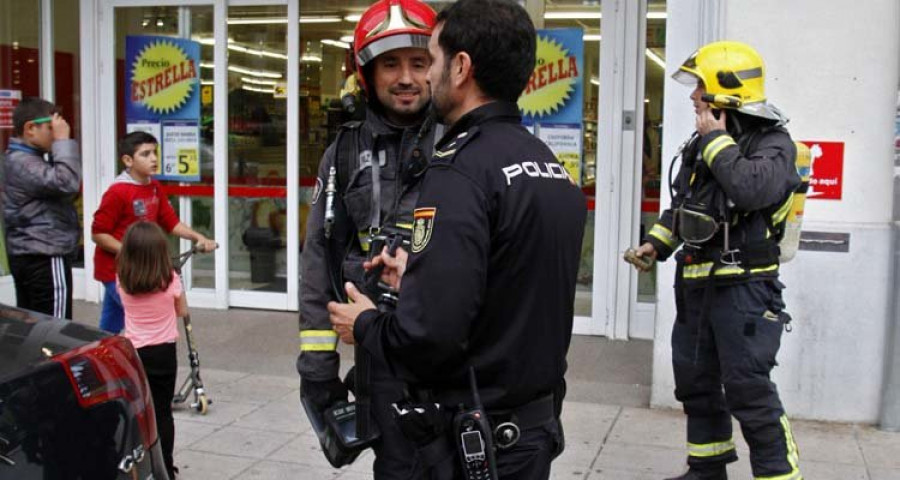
<point>730,199</point>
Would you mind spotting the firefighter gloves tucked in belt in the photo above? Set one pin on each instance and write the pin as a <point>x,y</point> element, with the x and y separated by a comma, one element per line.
<point>421,423</point>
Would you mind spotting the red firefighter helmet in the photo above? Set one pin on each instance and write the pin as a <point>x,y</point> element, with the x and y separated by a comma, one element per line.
<point>388,25</point>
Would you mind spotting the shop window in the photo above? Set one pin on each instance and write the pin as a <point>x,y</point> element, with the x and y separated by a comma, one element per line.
<point>20,72</point>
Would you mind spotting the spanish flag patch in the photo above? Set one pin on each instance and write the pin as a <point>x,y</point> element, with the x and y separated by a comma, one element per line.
<point>423,225</point>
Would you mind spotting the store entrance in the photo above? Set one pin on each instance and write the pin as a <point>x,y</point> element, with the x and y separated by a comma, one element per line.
<point>218,102</point>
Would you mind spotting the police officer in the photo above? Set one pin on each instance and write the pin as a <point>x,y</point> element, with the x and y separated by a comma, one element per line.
<point>731,197</point>
<point>490,282</point>
<point>373,167</point>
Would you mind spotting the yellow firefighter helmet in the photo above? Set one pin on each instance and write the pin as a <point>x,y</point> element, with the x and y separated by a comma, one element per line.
<point>734,76</point>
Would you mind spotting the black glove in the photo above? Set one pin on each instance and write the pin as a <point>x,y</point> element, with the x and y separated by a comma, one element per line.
<point>323,394</point>
<point>421,423</point>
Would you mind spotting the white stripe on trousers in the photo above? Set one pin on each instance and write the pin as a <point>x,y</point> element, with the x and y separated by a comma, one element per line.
<point>59,286</point>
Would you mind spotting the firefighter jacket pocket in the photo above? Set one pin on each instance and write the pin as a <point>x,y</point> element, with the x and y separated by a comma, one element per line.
<point>359,206</point>
<point>764,322</point>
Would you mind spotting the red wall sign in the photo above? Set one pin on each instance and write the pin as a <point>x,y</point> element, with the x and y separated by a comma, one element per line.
<point>827,177</point>
<point>8,101</point>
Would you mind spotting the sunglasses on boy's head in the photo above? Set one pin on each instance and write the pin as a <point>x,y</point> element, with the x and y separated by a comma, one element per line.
<point>40,120</point>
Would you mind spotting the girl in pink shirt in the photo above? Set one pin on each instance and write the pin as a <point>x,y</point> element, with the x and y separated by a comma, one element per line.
<point>153,299</point>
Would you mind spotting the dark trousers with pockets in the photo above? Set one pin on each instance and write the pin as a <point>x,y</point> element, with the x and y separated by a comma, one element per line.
<point>722,359</point>
<point>161,365</point>
<point>43,283</point>
<point>395,456</point>
<point>528,459</point>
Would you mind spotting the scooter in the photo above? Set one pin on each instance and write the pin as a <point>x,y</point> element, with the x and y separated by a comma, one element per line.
<point>193,382</point>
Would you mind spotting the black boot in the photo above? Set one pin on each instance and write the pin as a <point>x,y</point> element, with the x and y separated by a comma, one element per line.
<point>694,473</point>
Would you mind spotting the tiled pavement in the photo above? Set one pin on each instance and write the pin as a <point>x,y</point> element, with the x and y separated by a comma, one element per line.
<point>255,430</point>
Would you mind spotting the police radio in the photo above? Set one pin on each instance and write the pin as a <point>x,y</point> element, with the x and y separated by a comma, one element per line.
<point>475,441</point>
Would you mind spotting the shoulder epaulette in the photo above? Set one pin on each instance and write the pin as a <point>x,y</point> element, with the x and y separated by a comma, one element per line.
<point>448,151</point>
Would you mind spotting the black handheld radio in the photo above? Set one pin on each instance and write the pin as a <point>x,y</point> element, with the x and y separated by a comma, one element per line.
<point>475,442</point>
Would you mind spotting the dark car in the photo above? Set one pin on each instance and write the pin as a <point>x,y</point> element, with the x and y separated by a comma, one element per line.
<point>74,403</point>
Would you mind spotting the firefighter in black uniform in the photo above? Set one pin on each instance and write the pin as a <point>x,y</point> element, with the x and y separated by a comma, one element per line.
<point>490,282</point>
<point>366,188</point>
<point>731,197</point>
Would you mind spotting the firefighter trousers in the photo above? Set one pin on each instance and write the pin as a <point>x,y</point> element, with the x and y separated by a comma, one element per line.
<point>724,345</point>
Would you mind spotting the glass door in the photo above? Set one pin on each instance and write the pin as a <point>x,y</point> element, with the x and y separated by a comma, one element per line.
<point>584,16</point>
<point>224,163</point>
<point>257,150</point>
<point>632,70</point>
<point>160,88</point>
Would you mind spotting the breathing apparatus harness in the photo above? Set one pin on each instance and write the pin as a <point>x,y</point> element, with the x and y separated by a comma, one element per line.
<point>698,223</point>
<point>345,429</point>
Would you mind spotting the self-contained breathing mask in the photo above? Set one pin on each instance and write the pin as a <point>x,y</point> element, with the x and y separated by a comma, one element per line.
<point>696,222</point>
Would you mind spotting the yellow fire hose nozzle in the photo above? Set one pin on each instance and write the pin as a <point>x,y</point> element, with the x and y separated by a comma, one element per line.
<point>643,263</point>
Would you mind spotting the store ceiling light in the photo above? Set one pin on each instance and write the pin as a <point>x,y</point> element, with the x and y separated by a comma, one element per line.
<point>282,20</point>
<point>335,43</point>
<point>256,20</point>
<point>591,37</point>
<point>347,38</point>
<point>572,15</point>
<point>257,89</point>
<point>245,71</point>
<point>353,17</point>
<point>237,47</point>
<point>588,15</point>
<point>256,81</point>
<point>655,58</point>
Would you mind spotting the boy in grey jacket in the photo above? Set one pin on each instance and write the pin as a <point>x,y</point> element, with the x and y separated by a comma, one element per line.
<point>43,176</point>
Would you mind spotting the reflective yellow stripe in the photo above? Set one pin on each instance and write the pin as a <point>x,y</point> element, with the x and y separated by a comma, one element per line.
<point>664,235</point>
<point>716,146</point>
<point>364,241</point>
<point>710,449</point>
<point>782,211</point>
<point>701,270</point>
<point>793,454</point>
<point>318,341</point>
<point>444,154</point>
<point>405,226</point>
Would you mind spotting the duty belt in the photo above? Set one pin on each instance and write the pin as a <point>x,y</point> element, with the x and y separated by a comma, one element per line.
<point>509,424</point>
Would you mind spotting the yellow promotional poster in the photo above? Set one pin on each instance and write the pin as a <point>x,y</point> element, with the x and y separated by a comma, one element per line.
<point>163,98</point>
<point>554,93</point>
<point>552,102</point>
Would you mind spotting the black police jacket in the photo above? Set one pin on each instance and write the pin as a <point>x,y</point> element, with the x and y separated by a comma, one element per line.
<point>318,359</point>
<point>490,281</point>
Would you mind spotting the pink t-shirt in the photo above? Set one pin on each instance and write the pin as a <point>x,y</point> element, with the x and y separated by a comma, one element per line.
<point>150,318</point>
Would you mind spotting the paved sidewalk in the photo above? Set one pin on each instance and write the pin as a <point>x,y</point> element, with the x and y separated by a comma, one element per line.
<point>255,429</point>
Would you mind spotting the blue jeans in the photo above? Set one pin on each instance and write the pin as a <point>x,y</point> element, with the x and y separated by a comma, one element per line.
<point>112,316</point>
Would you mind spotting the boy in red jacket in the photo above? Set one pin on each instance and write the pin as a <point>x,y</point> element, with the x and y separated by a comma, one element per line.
<point>134,195</point>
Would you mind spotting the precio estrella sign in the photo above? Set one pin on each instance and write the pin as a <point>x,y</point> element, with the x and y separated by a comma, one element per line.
<point>163,78</point>
<point>554,90</point>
